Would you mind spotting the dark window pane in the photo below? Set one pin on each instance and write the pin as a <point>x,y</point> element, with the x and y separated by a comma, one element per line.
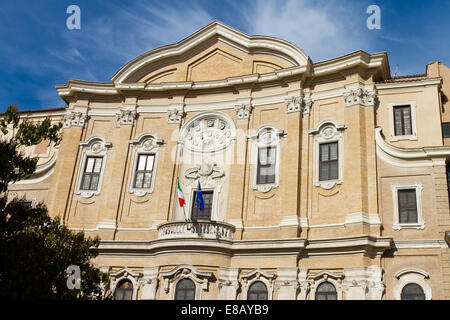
<point>326,291</point>
<point>124,291</point>
<point>257,291</point>
<point>144,169</point>
<point>207,204</point>
<point>402,120</point>
<point>185,290</point>
<point>266,165</point>
<point>91,173</point>
<point>446,129</point>
<point>328,161</point>
<point>412,291</point>
<point>407,206</point>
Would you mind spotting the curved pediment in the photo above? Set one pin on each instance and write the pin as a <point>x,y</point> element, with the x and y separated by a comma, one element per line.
<point>212,53</point>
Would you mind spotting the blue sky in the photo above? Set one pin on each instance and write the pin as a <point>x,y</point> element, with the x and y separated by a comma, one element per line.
<point>38,51</point>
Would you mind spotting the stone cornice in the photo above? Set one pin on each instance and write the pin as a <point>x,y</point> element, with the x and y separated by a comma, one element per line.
<point>357,58</point>
<point>409,84</point>
<point>410,157</point>
<point>322,68</point>
<point>364,244</point>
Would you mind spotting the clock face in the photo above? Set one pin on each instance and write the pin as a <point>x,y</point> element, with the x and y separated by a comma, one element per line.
<point>209,134</point>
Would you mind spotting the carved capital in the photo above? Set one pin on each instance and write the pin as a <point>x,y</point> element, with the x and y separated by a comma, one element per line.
<point>243,111</point>
<point>175,115</point>
<point>75,118</point>
<point>306,108</point>
<point>125,116</point>
<point>359,96</point>
<point>294,104</point>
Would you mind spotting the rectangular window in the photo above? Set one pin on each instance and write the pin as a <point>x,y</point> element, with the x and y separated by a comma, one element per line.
<point>26,203</point>
<point>91,173</point>
<point>207,204</point>
<point>328,162</point>
<point>407,206</point>
<point>402,120</point>
<point>446,130</point>
<point>266,165</point>
<point>144,171</point>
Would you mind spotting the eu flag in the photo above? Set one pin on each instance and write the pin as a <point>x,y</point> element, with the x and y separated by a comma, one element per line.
<point>199,199</point>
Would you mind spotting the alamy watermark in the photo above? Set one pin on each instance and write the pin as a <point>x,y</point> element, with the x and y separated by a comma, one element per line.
<point>74,20</point>
<point>74,279</point>
<point>374,20</point>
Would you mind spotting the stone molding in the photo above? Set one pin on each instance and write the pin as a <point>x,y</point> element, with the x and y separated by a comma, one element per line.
<point>185,271</point>
<point>247,279</point>
<point>125,274</point>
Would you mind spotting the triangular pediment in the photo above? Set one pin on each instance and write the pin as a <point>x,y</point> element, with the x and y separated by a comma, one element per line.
<point>215,52</point>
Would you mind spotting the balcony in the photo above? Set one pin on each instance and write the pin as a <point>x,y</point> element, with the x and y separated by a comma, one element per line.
<point>196,229</point>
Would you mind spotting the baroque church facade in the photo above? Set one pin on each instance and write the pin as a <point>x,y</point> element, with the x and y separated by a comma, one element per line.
<point>320,180</point>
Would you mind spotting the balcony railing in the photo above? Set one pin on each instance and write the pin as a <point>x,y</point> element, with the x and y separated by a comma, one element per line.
<point>196,229</point>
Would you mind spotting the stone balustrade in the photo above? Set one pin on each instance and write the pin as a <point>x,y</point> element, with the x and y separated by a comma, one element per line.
<point>196,229</point>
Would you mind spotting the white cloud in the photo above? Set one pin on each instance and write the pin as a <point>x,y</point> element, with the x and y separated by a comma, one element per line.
<point>109,41</point>
<point>323,30</point>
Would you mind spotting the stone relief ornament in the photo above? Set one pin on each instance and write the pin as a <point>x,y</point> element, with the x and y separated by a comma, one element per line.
<point>209,134</point>
<point>243,111</point>
<point>306,108</point>
<point>125,116</point>
<point>207,173</point>
<point>175,115</point>
<point>74,118</point>
<point>294,104</point>
<point>359,96</point>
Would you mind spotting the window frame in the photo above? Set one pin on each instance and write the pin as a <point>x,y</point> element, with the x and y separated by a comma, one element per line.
<point>145,144</point>
<point>392,135</point>
<point>266,136</point>
<point>328,131</point>
<point>396,224</point>
<point>145,171</point>
<point>94,147</point>
<point>408,206</point>
<point>321,162</point>
<point>412,275</point>
<point>91,174</point>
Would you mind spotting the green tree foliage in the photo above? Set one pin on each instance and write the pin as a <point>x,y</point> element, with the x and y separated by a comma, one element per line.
<point>36,249</point>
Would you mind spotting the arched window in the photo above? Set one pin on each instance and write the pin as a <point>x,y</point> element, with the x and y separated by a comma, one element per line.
<point>326,291</point>
<point>413,291</point>
<point>257,291</point>
<point>124,290</point>
<point>185,290</point>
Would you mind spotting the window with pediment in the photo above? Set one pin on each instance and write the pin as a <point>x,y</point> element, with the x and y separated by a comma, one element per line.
<point>266,155</point>
<point>92,167</point>
<point>145,153</point>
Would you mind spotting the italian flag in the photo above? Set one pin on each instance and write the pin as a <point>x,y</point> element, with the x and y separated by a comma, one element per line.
<point>180,194</point>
